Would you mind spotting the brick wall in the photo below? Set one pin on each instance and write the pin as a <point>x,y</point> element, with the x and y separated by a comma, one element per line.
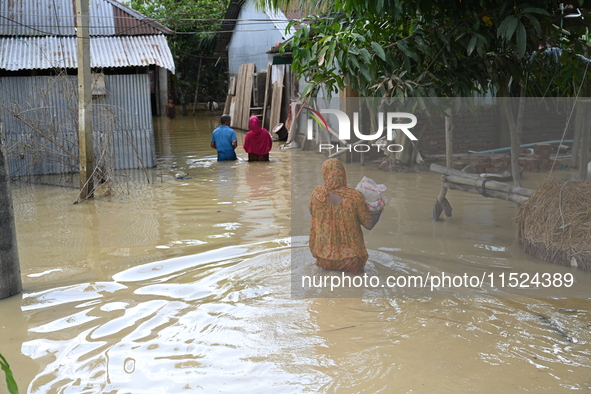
<point>470,132</point>
<point>484,130</point>
<point>547,121</point>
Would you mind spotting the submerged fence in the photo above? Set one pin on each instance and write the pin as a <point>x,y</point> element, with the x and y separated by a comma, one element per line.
<point>39,115</point>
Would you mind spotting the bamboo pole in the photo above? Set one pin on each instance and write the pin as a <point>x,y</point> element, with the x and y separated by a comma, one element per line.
<point>474,180</point>
<point>516,198</point>
<point>491,185</point>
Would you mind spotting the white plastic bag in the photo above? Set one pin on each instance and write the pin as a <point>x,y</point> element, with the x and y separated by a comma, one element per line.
<point>372,193</point>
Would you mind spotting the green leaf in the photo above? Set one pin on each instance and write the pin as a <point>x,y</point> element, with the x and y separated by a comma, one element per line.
<point>379,50</point>
<point>521,39</point>
<point>535,23</point>
<point>366,74</point>
<point>308,89</point>
<point>10,382</point>
<point>379,5</point>
<point>326,39</point>
<point>365,54</point>
<point>507,27</point>
<point>359,37</point>
<point>305,30</point>
<point>511,26</point>
<point>471,45</point>
<point>354,62</point>
<point>535,10</point>
<point>402,46</point>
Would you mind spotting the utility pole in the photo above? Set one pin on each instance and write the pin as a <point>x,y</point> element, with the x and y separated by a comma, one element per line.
<point>85,142</point>
<point>10,271</point>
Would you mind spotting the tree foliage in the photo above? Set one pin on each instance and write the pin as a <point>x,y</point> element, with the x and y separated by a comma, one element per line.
<point>443,48</point>
<point>196,23</point>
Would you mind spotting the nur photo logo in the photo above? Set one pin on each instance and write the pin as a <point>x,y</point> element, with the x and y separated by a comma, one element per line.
<point>393,121</point>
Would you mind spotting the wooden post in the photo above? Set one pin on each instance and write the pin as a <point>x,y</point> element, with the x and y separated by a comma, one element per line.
<point>585,139</point>
<point>266,100</point>
<point>162,89</point>
<point>449,149</point>
<point>85,142</point>
<point>197,88</point>
<point>579,125</point>
<point>10,272</point>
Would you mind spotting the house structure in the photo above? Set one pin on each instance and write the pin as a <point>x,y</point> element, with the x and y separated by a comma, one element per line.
<point>130,62</point>
<point>249,36</point>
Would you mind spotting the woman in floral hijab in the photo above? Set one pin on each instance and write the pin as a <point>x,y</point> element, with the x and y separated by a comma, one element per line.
<point>338,212</point>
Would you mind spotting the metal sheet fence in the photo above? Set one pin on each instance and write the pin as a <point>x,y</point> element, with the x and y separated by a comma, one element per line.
<point>39,116</point>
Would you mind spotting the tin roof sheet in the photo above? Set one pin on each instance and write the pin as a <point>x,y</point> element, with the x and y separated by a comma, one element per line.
<point>280,22</point>
<point>27,53</point>
<point>58,18</point>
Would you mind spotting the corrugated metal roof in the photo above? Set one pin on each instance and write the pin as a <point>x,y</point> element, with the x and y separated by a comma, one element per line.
<point>280,22</point>
<point>58,18</point>
<point>29,53</point>
<point>233,12</point>
<point>227,27</point>
<point>122,123</point>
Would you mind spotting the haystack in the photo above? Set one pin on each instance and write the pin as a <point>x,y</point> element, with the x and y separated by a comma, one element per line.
<point>555,223</point>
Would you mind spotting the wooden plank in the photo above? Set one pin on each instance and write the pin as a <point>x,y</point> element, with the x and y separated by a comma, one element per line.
<point>243,96</point>
<point>266,101</point>
<point>236,116</point>
<point>247,96</point>
<point>276,102</point>
<point>227,105</point>
<point>232,107</point>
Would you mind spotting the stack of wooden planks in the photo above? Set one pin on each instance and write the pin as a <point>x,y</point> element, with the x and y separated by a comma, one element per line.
<point>275,117</point>
<point>239,101</point>
<point>239,104</point>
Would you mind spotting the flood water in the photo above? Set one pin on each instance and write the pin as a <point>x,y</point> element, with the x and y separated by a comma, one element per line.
<point>183,285</point>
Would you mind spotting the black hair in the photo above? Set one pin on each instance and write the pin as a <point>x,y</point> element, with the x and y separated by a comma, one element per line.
<point>224,118</point>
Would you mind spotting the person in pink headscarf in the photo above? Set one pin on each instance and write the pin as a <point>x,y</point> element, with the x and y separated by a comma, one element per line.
<point>258,141</point>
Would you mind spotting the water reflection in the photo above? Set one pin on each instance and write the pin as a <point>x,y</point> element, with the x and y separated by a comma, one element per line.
<point>184,284</point>
<point>223,320</point>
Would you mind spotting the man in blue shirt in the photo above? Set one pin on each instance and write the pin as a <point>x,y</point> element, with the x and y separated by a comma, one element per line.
<point>224,140</point>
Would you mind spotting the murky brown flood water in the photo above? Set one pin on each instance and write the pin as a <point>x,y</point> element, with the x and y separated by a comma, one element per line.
<point>183,285</point>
